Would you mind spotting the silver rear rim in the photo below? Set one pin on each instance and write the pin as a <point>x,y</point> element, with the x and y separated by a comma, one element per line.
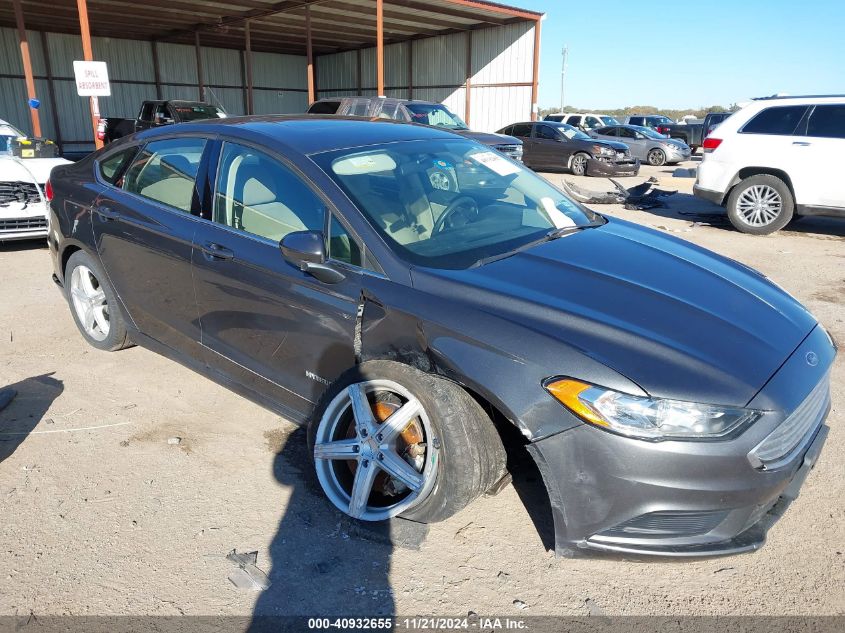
<point>89,302</point>
<point>579,164</point>
<point>364,466</point>
<point>759,205</point>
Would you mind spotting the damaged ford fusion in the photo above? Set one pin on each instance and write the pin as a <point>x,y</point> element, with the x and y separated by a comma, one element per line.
<point>399,289</point>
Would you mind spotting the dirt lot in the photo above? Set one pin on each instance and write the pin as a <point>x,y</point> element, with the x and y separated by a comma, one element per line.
<point>101,514</point>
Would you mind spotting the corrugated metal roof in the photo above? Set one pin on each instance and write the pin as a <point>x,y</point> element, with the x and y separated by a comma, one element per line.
<point>275,26</point>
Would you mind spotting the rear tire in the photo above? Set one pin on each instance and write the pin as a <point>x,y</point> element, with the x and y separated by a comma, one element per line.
<point>463,458</point>
<point>760,205</point>
<point>93,304</point>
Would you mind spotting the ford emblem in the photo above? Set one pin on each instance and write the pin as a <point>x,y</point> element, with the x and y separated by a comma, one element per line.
<point>812,359</point>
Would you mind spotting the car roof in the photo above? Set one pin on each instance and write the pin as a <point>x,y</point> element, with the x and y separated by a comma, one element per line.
<point>309,133</point>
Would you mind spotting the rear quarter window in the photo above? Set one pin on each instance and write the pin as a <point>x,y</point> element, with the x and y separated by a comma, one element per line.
<point>780,120</point>
<point>827,121</point>
<point>111,167</point>
<point>324,107</point>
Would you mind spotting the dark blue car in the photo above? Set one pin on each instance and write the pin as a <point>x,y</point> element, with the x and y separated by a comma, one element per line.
<point>409,294</point>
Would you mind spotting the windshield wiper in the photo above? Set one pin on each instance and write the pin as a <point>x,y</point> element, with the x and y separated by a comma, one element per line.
<point>548,237</point>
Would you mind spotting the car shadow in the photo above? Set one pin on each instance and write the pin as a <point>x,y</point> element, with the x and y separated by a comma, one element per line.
<point>32,399</point>
<point>23,245</point>
<point>324,563</point>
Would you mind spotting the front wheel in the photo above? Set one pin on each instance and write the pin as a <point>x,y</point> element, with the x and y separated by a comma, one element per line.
<point>656,157</point>
<point>93,304</point>
<point>760,205</point>
<point>579,164</point>
<point>389,440</point>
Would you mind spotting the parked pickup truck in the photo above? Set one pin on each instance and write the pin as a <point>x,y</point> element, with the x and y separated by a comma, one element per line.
<point>156,113</point>
<point>693,134</point>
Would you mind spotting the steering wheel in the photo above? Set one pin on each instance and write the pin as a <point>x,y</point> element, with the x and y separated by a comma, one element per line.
<point>457,203</point>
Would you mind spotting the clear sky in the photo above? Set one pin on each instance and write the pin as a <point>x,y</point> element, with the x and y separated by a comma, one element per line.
<point>689,54</point>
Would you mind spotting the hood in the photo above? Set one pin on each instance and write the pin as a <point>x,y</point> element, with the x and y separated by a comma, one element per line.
<point>28,169</point>
<point>674,318</point>
<point>489,138</point>
<point>619,147</point>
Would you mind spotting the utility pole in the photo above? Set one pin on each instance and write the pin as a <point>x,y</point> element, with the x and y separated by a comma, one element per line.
<point>563,77</point>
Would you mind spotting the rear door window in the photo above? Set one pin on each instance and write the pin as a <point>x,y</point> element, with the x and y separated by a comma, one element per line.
<point>521,130</point>
<point>166,171</point>
<point>324,107</point>
<point>547,132</point>
<point>827,121</point>
<point>574,121</point>
<point>780,120</point>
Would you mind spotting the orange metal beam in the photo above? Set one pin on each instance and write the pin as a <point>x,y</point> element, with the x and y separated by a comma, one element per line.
<point>27,67</point>
<point>88,55</point>
<point>309,56</point>
<point>468,89</point>
<point>380,46</point>
<point>535,82</point>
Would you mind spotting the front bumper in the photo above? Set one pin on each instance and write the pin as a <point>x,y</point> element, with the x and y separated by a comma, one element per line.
<point>23,222</point>
<point>635,498</point>
<point>622,168</point>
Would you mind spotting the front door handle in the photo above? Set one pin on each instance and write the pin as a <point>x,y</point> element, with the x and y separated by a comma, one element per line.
<point>107,213</point>
<point>216,251</point>
<point>801,143</point>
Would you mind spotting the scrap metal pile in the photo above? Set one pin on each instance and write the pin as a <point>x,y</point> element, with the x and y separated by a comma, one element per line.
<point>642,196</point>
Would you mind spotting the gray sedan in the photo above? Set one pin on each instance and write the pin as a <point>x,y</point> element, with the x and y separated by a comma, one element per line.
<point>646,144</point>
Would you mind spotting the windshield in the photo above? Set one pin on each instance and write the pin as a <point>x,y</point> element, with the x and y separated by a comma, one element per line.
<point>434,114</point>
<point>647,131</point>
<point>572,132</point>
<point>608,120</point>
<point>451,203</point>
<point>197,112</point>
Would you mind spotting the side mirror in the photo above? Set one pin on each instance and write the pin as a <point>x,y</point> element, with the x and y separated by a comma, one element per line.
<point>307,251</point>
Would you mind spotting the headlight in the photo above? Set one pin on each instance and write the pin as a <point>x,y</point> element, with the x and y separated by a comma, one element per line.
<point>606,151</point>
<point>648,418</point>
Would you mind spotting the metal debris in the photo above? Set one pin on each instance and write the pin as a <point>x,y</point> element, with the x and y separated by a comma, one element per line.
<point>519,604</point>
<point>247,575</point>
<point>173,441</point>
<point>639,197</point>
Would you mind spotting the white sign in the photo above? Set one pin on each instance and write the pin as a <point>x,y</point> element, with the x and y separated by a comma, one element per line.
<point>92,79</point>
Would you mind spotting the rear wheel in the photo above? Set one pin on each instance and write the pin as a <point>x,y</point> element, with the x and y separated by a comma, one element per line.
<point>579,164</point>
<point>760,205</point>
<point>656,157</point>
<point>389,440</point>
<point>93,304</point>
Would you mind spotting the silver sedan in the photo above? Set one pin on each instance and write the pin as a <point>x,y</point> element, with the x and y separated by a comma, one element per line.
<point>646,144</point>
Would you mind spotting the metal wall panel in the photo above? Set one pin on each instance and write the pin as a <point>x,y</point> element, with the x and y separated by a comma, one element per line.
<point>339,71</point>
<point>395,64</point>
<point>221,66</point>
<point>10,52</point>
<point>232,99</point>
<point>63,49</point>
<point>13,107</point>
<point>494,108</point>
<point>441,60</point>
<point>504,54</point>
<point>178,64</point>
<point>279,102</point>
<point>279,71</point>
<point>127,59</point>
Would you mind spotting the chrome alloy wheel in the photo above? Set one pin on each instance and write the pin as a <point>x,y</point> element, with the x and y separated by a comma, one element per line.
<point>374,451</point>
<point>89,302</point>
<point>579,165</point>
<point>759,205</point>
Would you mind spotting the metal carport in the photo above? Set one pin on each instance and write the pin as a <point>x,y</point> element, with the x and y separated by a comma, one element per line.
<point>260,56</point>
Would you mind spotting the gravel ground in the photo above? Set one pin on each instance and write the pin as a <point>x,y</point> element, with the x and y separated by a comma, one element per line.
<point>104,513</point>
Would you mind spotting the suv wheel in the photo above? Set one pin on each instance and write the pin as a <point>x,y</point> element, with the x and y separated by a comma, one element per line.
<point>388,440</point>
<point>760,205</point>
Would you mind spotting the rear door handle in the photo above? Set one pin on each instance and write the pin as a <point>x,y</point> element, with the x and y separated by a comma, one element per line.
<point>801,143</point>
<point>216,251</point>
<point>107,213</point>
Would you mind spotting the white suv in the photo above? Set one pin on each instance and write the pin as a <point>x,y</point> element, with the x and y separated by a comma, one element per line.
<point>583,121</point>
<point>775,159</point>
